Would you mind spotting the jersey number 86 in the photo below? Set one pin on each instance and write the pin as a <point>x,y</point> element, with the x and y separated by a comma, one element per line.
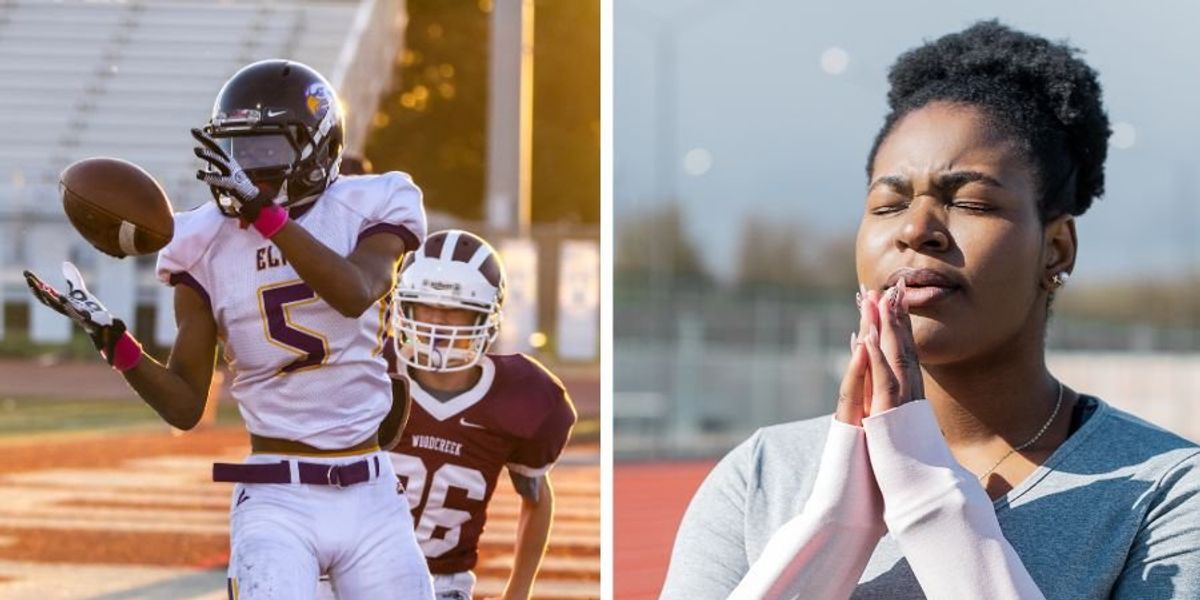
<point>436,488</point>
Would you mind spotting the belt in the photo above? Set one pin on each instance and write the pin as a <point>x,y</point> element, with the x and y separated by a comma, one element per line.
<point>311,473</point>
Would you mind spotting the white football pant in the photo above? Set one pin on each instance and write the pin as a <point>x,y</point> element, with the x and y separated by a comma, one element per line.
<point>283,536</point>
<point>459,586</point>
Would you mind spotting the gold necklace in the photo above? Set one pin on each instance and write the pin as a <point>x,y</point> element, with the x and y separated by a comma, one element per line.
<point>1033,439</point>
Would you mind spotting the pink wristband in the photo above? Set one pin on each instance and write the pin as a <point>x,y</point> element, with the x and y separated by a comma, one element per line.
<point>270,220</point>
<point>127,353</point>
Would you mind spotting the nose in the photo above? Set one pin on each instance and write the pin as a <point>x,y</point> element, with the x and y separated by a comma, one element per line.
<point>924,227</point>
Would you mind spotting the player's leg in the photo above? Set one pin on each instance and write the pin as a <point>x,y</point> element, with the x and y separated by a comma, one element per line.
<point>383,561</point>
<point>456,586</point>
<point>271,554</point>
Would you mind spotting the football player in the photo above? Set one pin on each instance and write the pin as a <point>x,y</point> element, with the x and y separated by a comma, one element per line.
<point>291,268</point>
<point>473,413</point>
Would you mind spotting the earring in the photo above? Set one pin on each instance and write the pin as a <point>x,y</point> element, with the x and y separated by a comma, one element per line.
<point>1060,278</point>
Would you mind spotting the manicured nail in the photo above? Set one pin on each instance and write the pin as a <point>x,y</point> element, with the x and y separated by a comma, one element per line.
<point>862,290</point>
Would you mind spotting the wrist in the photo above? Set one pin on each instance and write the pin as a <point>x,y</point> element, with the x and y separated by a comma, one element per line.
<point>126,353</point>
<point>270,220</point>
<point>844,491</point>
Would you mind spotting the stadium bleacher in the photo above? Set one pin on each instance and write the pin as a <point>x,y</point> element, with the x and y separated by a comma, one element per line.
<point>82,78</point>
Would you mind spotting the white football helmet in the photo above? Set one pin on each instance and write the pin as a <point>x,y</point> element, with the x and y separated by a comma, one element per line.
<point>452,269</point>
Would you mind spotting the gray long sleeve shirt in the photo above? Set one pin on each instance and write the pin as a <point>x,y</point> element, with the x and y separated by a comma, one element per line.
<point>1113,513</point>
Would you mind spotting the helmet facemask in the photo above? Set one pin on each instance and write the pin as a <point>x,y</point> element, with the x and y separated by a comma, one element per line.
<point>444,348</point>
<point>279,158</point>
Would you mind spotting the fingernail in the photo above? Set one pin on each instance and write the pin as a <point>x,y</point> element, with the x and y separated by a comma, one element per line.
<point>873,334</point>
<point>903,294</point>
<point>858,300</point>
<point>853,341</point>
<point>862,290</point>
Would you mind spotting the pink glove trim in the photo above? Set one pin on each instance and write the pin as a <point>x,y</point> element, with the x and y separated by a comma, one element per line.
<point>270,220</point>
<point>128,353</point>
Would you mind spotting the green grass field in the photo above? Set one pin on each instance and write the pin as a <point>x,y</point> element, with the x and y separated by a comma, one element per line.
<point>23,416</point>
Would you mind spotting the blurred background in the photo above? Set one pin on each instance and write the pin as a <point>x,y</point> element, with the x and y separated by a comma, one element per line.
<point>491,105</point>
<point>741,136</point>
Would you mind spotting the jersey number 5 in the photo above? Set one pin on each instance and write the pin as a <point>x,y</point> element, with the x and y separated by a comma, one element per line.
<point>274,303</point>
<point>436,514</point>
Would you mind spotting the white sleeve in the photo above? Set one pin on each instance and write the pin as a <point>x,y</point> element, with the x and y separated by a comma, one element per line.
<point>821,553</point>
<point>181,253</point>
<point>180,261</point>
<point>399,210</point>
<point>938,513</point>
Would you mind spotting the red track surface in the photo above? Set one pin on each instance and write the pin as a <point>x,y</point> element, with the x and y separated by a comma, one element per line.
<point>649,500</point>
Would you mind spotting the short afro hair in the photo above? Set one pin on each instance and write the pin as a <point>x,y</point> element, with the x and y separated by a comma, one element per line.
<point>1035,91</point>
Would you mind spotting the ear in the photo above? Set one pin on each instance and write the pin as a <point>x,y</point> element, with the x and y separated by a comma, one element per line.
<point>1059,247</point>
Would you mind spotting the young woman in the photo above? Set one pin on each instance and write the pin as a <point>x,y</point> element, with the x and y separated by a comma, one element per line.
<point>956,465</point>
<point>291,268</point>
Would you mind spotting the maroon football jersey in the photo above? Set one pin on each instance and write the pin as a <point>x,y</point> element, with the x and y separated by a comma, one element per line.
<point>450,456</point>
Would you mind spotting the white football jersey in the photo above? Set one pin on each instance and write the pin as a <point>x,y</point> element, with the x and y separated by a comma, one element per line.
<point>302,371</point>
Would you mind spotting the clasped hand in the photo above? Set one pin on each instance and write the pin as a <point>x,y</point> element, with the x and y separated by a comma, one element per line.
<point>884,371</point>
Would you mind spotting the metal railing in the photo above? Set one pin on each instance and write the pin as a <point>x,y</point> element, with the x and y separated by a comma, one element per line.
<point>697,372</point>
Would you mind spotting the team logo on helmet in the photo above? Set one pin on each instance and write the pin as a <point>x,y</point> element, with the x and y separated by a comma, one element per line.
<point>443,286</point>
<point>318,98</point>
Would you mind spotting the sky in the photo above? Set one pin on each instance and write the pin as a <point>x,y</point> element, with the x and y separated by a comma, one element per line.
<point>776,104</point>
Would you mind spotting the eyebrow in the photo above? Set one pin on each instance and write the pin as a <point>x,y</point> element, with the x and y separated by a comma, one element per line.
<point>896,182</point>
<point>945,181</point>
<point>957,179</point>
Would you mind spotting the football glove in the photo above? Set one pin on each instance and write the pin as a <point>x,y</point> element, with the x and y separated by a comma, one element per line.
<point>108,333</point>
<point>230,180</point>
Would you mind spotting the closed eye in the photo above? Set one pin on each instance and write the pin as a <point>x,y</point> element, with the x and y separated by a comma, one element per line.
<point>886,199</point>
<point>887,209</point>
<point>973,206</point>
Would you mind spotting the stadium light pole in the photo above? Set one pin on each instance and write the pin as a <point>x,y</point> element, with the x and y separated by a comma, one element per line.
<point>510,117</point>
<point>666,30</point>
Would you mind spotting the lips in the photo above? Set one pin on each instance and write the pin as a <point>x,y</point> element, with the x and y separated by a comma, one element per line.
<point>925,287</point>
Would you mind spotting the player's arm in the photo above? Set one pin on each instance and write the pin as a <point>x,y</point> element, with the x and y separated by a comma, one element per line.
<point>533,531</point>
<point>350,284</point>
<point>529,467</point>
<point>177,391</point>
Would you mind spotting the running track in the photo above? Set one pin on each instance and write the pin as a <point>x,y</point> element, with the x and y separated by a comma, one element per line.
<point>649,502</point>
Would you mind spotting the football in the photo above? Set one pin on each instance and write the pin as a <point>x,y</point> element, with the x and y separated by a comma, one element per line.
<point>116,206</point>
